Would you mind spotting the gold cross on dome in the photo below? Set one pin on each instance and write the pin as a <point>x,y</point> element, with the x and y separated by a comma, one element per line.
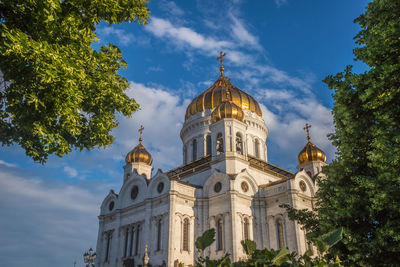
<point>221,59</point>
<point>307,128</point>
<point>141,132</point>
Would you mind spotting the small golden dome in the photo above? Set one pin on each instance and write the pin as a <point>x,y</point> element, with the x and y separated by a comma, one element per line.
<point>217,94</point>
<point>139,153</point>
<point>227,110</point>
<point>310,152</point>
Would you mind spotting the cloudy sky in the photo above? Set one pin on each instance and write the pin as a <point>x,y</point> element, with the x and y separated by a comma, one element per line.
<point>279,51</point>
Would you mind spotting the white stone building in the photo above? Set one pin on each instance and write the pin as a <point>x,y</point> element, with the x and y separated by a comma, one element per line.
<point>225,182</point>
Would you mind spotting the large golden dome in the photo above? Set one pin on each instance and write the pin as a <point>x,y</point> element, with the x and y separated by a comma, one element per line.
<point>310,152</point>
<point>227,110</point>
<point>139,153</point>
<point>222,91</point>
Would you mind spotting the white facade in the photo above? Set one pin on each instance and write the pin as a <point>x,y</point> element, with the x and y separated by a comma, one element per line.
<point>226,185</point>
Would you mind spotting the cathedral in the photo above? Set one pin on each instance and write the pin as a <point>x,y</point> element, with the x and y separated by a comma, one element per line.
<point>225,183</point>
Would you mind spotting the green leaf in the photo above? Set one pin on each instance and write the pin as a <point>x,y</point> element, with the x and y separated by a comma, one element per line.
<point>249,246</point>
<point>205,240</point>
<point>281,257</point>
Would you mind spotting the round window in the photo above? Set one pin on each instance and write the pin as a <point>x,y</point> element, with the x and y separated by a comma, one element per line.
<point>303,186</point>
<point>111,205</point>
<point>134,192</point>
<point>244,186</point>
<point>160,187</point>
<point>217,187</point>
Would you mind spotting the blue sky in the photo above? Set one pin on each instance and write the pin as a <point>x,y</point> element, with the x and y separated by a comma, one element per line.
<point>279,51</point>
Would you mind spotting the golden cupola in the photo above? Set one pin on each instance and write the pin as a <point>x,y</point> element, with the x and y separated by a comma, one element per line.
<point>222,91</point>
<point>310,152</point>
<point>227,110</point>
<point>139,154</point>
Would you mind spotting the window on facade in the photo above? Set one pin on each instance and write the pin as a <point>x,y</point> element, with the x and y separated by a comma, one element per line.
<point>184,154</point>
<point>194,150</point>
<point>280,237</point>
<point>220,143</point>
<point>219,234</point>
<point>257,148</point>
<point>108,246</point>
<point>131,243</point>
<point>159,235</point>
<point>185,234</point>
<point>208,145</point>
<point>246,229</point>
<point>239,143</point>
<point>137,240</point>
<point>126,242</point>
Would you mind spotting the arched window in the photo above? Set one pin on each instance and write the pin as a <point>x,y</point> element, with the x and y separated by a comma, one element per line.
<point>185,234</point>
<point>208,145</point>
<point>246,229</point>
<point>159,235</point>
<point>194,150</point>
<point>257,148</point>
<point>239,143</point>
<point>280,237</point>
<point>220,143</point>
<point>219,234</point>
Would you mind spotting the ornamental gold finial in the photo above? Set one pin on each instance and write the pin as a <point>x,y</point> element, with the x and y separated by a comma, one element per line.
<point>221,59</point>
<point>307,128</point>
<point>141,132</point>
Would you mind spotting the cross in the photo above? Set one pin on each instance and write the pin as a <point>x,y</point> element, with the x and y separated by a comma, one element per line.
<point>221,59</point>
<point>141,132</point>
<point>307,128</point>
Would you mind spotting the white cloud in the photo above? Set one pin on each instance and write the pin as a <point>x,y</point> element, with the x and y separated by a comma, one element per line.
<point>171,8</point>
<point>123,38</point>
<point>162,114</point>
<point>71,172</point>
<point>280,2</point>
<point>7,164</point>
<point>51,224</point>
<point>184,36</point>
<point>285,114</point>
<point>242,35</point>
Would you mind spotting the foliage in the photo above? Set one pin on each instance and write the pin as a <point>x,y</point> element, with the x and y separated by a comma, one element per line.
<point>270,258</point>
<point>362,191</point>
<point>58,93</point>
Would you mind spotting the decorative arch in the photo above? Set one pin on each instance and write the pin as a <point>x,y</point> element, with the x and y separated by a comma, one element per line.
<point>216,176</point>
<point>154,183</point>
<point>303,176</point>
<point>246,176</point>
<point>124,198</point>
<point>104,208</point>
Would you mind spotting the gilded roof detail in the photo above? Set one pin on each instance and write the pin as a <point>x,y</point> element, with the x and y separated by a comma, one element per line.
<point>222,91</point>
